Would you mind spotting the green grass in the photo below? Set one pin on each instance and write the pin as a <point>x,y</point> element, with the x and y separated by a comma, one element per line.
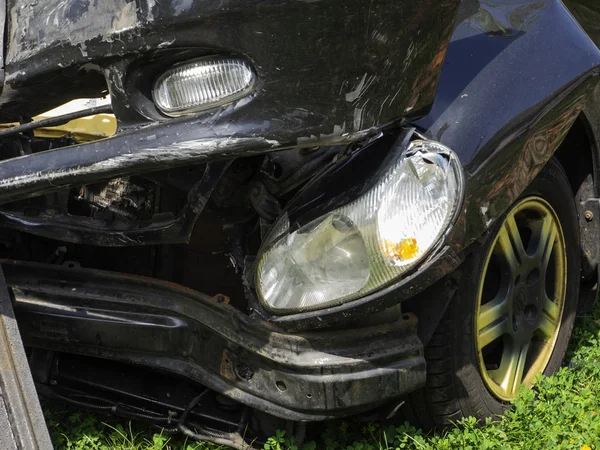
<point>559,412</point>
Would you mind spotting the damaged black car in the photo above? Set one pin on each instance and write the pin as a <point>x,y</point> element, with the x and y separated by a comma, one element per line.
<point>272,213</point>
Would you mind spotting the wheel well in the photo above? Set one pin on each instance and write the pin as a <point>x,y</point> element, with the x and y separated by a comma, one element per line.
<point>577,143</point>
<point>578,156</point>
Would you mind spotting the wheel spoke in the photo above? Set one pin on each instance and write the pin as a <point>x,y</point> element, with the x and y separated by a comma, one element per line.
<point>517,367</point>
<point>492,312</point>
<point>549,318</point>
<point>511,372</point>
<point>510,245</point>
<point>546,239</point>
<point>492,332</point>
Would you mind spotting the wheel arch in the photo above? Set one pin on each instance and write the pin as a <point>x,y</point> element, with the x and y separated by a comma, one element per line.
<point>578,155</point>
<point>578,140</point>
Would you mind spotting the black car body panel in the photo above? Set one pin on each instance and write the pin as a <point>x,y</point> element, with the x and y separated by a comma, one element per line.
<point>516,78</point>
<point>537,92</point>
<point>325,68</point>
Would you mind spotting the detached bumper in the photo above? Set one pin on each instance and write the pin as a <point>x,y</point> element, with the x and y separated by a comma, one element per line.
<point>308,376</point>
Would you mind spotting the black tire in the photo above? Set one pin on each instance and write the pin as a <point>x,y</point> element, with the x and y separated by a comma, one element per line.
<point>455,387</point>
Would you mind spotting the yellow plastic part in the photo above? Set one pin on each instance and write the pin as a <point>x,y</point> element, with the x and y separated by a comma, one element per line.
<point>86,129</point>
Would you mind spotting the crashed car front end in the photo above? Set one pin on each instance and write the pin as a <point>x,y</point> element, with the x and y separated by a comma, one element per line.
<point>273,232</point>
<point>238,127</point>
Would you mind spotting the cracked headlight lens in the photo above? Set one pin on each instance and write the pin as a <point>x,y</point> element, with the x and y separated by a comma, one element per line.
<point>363,246</point>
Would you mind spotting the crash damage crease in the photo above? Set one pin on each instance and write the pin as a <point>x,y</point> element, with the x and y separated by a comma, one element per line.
<point>137,152</point>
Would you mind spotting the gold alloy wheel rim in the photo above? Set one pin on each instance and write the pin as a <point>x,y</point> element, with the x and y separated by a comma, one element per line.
<point>520,298</point>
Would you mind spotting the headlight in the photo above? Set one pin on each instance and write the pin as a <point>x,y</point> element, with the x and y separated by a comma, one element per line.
<point>363,246</point>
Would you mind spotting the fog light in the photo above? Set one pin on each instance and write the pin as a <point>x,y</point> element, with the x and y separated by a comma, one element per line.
<point>202,84</point>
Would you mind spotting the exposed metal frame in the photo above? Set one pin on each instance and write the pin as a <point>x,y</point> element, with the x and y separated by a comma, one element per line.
<point>298,376</point>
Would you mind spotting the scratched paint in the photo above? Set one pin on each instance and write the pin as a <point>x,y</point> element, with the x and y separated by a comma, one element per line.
<point>73,22</point>
<point>337,59</point>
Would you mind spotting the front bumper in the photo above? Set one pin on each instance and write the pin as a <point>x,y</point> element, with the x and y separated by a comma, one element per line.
<point>302,376</point>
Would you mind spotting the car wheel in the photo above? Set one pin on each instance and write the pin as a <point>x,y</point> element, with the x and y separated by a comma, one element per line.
<point>513,313</point>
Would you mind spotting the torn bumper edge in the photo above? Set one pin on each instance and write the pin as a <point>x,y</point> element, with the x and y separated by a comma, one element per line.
<point>308,376</point>
<point>157,147</point>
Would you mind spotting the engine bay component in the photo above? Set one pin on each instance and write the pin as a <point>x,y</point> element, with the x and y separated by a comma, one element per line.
<point>124,197</point>
<point>265,204</point>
